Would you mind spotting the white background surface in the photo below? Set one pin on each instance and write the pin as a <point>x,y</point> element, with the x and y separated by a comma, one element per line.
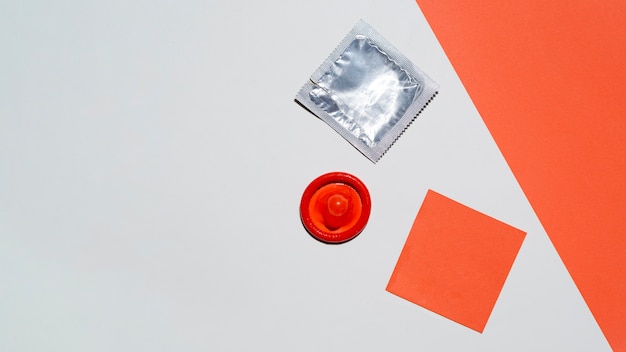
<point>151,164</point>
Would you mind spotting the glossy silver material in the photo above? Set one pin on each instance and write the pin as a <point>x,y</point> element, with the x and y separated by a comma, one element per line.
<point>367,91</point>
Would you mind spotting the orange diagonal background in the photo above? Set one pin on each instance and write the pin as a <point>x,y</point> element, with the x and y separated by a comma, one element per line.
<point>549,80</point>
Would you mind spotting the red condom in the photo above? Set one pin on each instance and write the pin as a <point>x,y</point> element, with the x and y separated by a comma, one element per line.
<point>335,207</point>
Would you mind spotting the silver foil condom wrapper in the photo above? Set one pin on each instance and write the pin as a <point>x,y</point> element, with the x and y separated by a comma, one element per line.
<point>367,91</point>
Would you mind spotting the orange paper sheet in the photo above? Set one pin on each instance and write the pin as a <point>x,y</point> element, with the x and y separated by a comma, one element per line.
<point>455,261</point>
<point>549,79</point>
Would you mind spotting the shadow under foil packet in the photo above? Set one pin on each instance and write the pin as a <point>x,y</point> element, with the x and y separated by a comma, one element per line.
<point>367,91</point>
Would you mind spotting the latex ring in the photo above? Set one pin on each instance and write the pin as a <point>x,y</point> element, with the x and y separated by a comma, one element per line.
<point>335,207</point>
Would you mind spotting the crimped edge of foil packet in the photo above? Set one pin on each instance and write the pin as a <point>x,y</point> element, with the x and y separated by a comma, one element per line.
<point>428,92</point>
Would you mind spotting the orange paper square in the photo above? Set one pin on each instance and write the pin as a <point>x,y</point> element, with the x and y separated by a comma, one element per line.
<point>455,261</point>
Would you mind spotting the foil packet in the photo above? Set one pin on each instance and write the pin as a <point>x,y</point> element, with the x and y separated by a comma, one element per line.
<point>367,91</point>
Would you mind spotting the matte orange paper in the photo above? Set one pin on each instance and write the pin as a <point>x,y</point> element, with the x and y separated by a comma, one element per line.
<point>549,80</point>
<point>455,261</point>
